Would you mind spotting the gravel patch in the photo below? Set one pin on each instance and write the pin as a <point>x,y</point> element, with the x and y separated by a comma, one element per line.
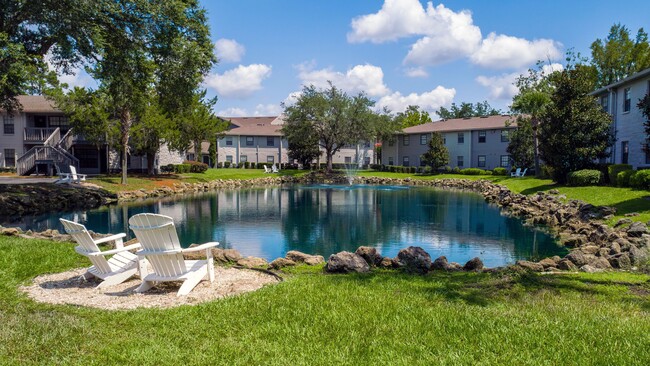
<point>70,288</point>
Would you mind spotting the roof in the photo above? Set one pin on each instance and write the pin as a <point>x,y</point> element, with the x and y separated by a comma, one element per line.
<point>253,126</point>
<point>633,77</point>
<point>463,124</point>
<point>36,104</point>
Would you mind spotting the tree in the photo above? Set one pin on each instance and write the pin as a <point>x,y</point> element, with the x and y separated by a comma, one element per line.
<point>412,116</point>
<point>437,155</point>
<point>149,132</point>
<point>574,131</point>
<point>466,110</point>
<point>521,145</point>
<point>332,119</point>
<point>618,56</point>
<point>644,107</point>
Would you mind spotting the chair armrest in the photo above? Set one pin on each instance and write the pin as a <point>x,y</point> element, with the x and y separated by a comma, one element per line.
<point>115,251</point>
<point>110,238</point>
<point>158,252</point>
<point>201,247</point>
<point>64,175</point>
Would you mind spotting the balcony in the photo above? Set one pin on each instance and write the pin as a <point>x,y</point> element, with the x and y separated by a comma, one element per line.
<point>37,135</point>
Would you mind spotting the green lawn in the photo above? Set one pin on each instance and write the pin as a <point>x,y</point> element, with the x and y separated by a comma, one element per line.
<point>314,319</point>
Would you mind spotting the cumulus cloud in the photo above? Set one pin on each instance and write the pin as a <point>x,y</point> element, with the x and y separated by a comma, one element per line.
<point>76,76</point>
<point>429,101</point>
<point>361,78</point>
<point>267,110</point>
<point>446,35</point>
<point>501,51</point>
<point>240,82</point>
<point>503,86</point>
<point>416,72</point>
<point>228,50</point>
<point>232,112</point>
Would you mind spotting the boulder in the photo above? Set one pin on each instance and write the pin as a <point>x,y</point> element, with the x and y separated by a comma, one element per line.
<point>300,257</point>
<point>386,263</point>
<point>232,255</point>
<point>10,231</point>
<point>280,263</point>
<point>531,266</point>
<point>620,261</point>
<point>590,269</point>
<point>579,258</point>
<point>615,248</point>
<point>440,263</point>
<point>638,255</point>
<point>346,262</point>
<point>454,266</point>
<point>567,265</point>
<point>414,259</point>
<point>637,229</point>
<point>622,222</point>
<point>600,263</point>
<point>474,264</point>
<point>548,262</point>
<point>370,255</point>
<point>590,249</point>
<point>314,260</point>
<point>253,262</point>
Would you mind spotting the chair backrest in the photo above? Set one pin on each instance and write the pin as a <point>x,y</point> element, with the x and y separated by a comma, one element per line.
<point>157,233</point>
<point>87,245</point>
<point>266,169</point>
<point>73,172</point>
<point>524,172</point>
<point>274,169</point>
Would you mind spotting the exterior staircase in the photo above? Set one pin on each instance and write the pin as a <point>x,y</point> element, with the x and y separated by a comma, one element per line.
<point>53,153</point>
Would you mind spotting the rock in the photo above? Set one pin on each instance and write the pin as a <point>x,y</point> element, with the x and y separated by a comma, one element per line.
<point>314,260</point>
<point>615,248</point>
<point>531,266</point>
<point>370,255</point>
<point>579,258</point>
<point>556,259</point>
<point>548,262</point>
<point>631,214</point>
<point>232,255</point>
<point>554,191</point>
<point>622,222</point>
<point>10,231</point>
<point>300,257</point>
<point>590,249</point>
<point>252,262</point>
<point>454,266</point>
<point>474,264</point>
<point>280,263</point>
<point>600,263</point>
<point>589,269</point>
<point>637,229</point>
<point>567,265</point>
<point>414,260</point>
<point>620,261</point>
<point>638,255</point>
<point>574,241</point>
<point>346,262</point>
<point>440,263</point>
<point>386,263</point>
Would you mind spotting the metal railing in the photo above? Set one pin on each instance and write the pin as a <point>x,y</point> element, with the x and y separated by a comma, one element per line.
<point>36,134</point>
<point>54,150</point>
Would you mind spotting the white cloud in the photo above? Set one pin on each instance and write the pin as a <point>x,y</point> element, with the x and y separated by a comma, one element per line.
<point>361,78</point>
<point>232,112</point>
<point>500,87</point>
<point>501,51</point>
<point>429,101</point>
<point>549,69</point>
<point>239,82</point>
<point>396,19</point>
<point>228,50</point>
<point>267,110</point>
<point>416,72</point>
<point>76,76</point>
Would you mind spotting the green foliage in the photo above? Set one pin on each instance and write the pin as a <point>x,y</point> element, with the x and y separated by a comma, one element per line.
<point>472,171</point>
<point>619,56</point>
<point>585,177</point>
<point>466,110</point>
<point>623,178</point>
<point>574,130</point>
<point>614,169</point>
<point>499,171</point>
<point>226,164</point>
<point>437,155</point>
<point>195,166</point>
<point>412,116</point>
<point>640,179</point>
<point>520,146</point>
<point>212,151</point>
<point>644,107</point>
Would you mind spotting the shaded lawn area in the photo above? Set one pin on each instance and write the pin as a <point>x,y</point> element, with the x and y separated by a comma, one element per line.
<point>380,318</point>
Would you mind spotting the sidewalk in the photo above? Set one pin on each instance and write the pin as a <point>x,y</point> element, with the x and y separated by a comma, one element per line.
<point>27,180</point>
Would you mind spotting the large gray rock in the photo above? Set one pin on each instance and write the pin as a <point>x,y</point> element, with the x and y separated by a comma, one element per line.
<point>300,257</point>
<point>531,266</point>
<point>386,263</point>
<point>346,262</point>
<point>370,255</point>
<point>474,264</point>
<point>440,263</point>
<point>637,229</point>
<point>579,258</point>
<point>253,262</point>
<point>638,255</point>
<point>567,265</point>
<point>280,263</point>
<point>414,260</point>
<point>590,269</point>
<point>620,261</point>
<point>549,262</point>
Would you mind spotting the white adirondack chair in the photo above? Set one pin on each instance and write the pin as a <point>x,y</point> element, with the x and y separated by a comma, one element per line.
<point>266,169</point>
<point>71,177</point>
<point>523,173</point>
<point>161,247</point>
<point>274,169</point>
<point>516,173</point>
<point>119,268</point>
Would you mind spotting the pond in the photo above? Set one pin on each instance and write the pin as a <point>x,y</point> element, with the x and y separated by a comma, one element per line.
<point>324,219</point>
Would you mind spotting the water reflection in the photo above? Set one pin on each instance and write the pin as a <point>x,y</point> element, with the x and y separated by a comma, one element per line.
<point>267,222</point>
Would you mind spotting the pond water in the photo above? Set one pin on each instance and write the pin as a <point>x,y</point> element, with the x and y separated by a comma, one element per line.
<point>323,219</point>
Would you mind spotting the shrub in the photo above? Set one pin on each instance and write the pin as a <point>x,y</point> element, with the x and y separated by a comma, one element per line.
<point>375,166</point>
<point>456,170</point>
<point>486,172</point>
<point>547,172</point>
<point>499,171</point>
<point>182,168</point>
<point>167,168</point>
<point>623,178</point>
<point>614,169</point>
<point>413,169</point>
<point>472,171</point>
<point>446,169</point>
<point>585,177</point>
<point>640,179</point>
<point>195,166</point>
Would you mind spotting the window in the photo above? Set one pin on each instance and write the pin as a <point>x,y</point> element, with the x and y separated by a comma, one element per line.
<point>625,152</point>
<point>250,141</point>
<point>9,126</point>
<point>444,140</point>
<point>229,158</point>
<point>460,161</point>
<point>190,157</point>
<point>423,139</point>
<point>481,161</point>
<point>206,159</point>
<point>390,160</point>
<point>481,137</point>
<point>505,161</point>
<point>270,159</point>
<point>461,138</point>
<point>88,157</point>
<point>627,100</point>
<point>405,161</point>
<point>59,121</point>
<point>406,140</point>
<point>505,135</point>
<point>348,160</point>
<point>10,158</point>
<point>270,141</point>
<point>603,102</point>
<point>243,158</point>
<point>228,141</point>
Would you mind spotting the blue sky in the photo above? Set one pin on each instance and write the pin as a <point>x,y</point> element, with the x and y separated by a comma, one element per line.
<point>400,52</point>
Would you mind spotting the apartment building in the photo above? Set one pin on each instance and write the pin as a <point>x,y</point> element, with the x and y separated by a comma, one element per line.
<point>478,142</point>
<point>620,100</point>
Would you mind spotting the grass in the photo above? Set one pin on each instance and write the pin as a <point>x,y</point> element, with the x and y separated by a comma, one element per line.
<point>310,319</point>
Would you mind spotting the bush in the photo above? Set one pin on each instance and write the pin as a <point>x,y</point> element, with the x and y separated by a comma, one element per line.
<point>486,172</point>
<point>226,164</point>
<point>375,167</point>
<point>585,177</point>
<point>456,170</point>
<point>623,178</point>
<point>194,166</point>
<point>472,171</point>
<point>547,172</point>
<point>167,168</point>
<point>614,169</point>
<point>640,179</point>
<point>499,171</point>
<point>182,168</point>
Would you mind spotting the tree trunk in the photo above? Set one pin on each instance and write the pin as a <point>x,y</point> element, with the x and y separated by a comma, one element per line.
<point>150,160</point>
<point>125,119</point>
<point>329,155</point>
<point>536,148</point>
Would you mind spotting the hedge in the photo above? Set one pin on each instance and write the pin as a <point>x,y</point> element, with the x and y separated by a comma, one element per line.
<point>614,169</point>
<point>585,177</point>
<point>195,166</point>
<point>499,171</point>
<point>623,178</point>
<point>640,179</point>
